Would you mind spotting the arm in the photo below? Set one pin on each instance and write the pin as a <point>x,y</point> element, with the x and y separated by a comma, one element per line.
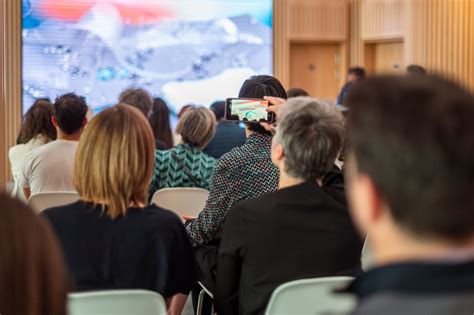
<point>221,198</point>
<point>27,192</point>
<point>24,175</point>
<point>176,303</point>
<point>230,264</point>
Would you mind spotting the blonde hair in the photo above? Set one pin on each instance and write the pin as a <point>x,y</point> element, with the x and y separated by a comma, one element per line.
<point>197,126</point>
<point>115,160</point>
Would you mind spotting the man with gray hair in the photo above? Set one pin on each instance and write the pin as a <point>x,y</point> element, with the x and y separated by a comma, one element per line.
<point>303,230</point>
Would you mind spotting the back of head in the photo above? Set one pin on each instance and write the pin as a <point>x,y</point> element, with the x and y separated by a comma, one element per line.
<point>160,122</point>
<point>311,134</point>
<point>413,136</point>
<point>358,72</point>
<point>295,92</point>
<point>38,121</point>
<point>257,87</point>
<point>197,126</point>
<point>70,111</point>
<point>115,160</point>
<point>138,98</point>
<point>416,70</point>
<point>33,275</point>
<point>218,108</point>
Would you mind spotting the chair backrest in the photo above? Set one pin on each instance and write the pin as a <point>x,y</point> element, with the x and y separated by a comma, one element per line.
<point>45,200</point>
<point>184,201</point>
<point>311,296</point>
<point>116,302</point>
<point>367,257</point>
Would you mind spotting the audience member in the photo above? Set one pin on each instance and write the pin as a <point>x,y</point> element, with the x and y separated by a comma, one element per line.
<point>240,174</point>
<point>186,165</point>
<point>295,92</point>
<point>111,238</point>
<point>50,167</point>
<point>138,98</point>
<point>34,279</point>
<point>418,214</point>
<point>265,241</point>
<point>228,135</point>
<point>416,70</point>
<point>354,74</point>
<point>37,130</point>
<point>160,124</point>
<point>184,109</point>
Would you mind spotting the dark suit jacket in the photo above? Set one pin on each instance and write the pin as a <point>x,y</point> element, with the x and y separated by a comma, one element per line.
<point>303,231</point>
<point>228,136</point>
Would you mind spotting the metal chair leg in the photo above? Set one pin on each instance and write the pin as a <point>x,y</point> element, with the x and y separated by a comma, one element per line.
<point>200,302</point>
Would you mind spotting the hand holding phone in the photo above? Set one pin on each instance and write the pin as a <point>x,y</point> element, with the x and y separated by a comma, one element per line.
<point>248,110</point>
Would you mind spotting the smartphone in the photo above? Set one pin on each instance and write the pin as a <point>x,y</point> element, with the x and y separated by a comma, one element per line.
<point>248,110</point>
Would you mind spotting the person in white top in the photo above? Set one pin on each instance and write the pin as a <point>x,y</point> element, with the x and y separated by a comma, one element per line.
<point>37,130</point>
<point>50,167</point>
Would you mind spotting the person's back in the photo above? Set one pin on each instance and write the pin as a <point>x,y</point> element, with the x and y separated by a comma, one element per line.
<point>419,217</point>
<point>303,230</point>
<point>111,238</point>
<point>228,135</point>
<point>50,167</point>
<point>36,131</point>
<point>185,165</point>
<point>136,251</point>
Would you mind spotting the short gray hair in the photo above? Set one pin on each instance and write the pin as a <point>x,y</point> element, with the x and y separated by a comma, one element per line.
<point>311,134</point>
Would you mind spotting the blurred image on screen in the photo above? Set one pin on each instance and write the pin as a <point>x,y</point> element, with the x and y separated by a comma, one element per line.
<point>185,51</point>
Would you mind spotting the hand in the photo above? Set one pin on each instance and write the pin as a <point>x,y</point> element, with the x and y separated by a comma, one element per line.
<point>187,218</point>
<point>275,106</point>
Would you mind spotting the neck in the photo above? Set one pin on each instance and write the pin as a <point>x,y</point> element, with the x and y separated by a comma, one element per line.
<point>74,137</point>
<point>288,181</point>
<point>394,247</point>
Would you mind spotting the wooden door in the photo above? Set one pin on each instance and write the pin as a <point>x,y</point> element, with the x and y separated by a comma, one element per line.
<point>316,68</point>
<point>384,57</point>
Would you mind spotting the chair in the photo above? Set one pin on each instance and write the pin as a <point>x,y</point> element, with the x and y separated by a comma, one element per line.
<point>45,200</point>
<point>367,257</point>
<point>116,302</point>
<point>311,296</point>
<point>184,201</point>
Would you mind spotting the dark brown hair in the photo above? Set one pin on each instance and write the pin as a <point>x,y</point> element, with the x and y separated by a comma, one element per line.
<point>413,136</point>
<point>38,121</point>
<point>70,111</point>
<point>33,276</point>
<point>160,122</point>
<point>138,98</point>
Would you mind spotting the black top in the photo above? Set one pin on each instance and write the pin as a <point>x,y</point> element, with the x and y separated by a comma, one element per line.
<point>146,249</point>
<point>303,231</point>
<point>228,136</point>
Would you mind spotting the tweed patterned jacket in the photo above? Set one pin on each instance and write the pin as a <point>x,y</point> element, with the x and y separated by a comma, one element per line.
<point>244,172</point>
<point>182,166</point>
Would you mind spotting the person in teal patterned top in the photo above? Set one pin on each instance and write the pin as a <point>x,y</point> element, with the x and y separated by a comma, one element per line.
<point>185,165</point>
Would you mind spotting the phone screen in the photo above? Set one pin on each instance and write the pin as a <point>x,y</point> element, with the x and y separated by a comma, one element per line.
<point>247,110</point>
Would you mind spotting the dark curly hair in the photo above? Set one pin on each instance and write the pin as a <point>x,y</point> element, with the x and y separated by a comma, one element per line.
<point>37,121</point>
<point>70,111</point>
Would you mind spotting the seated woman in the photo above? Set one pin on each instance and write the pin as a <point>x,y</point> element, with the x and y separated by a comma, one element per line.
<point>111,238</point>
<point>186,165</point>
<point>160,124</point>
<point>37,130</point>
<point>302,230</point>
<point>34,279</point>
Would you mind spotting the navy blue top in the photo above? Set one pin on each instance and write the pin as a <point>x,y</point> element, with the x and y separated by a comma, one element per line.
<point>147,249</point>
<point>228,136</point>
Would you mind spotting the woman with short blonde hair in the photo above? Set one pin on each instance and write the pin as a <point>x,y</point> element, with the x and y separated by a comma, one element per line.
<point>111,238</point>
<point>186,165</point>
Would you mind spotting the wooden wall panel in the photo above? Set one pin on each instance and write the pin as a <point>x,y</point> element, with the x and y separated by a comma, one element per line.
<point>10,83</point>
<point>318,20</point>
<point>382,19</point>
<point>281,43</point>
<point>441,37</point>
<point>356,44</point>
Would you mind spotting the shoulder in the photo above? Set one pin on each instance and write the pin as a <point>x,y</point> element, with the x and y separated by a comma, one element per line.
<point>66,211</point>
<point>161,215</point>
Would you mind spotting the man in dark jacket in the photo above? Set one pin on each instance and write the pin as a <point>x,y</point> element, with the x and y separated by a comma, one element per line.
<point>410,182</point>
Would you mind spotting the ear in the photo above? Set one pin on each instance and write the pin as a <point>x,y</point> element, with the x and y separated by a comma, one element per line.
<point>84,123</point>
<point>365,200</point>
<point>278,153</point>
<point>54,121</point>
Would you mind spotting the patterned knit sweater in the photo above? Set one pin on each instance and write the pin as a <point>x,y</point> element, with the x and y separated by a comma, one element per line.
<point>182,166</point>
<point>244,172</point>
